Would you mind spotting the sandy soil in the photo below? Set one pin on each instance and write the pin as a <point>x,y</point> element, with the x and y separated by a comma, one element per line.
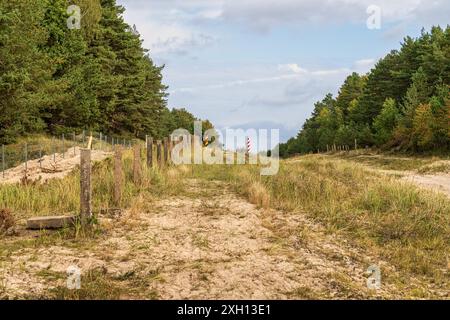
<point>438,182</point>
<point>49,167</point>
<point>208,244</point>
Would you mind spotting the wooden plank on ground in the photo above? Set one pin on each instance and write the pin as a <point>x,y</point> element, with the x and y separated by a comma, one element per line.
<point>55,222</point>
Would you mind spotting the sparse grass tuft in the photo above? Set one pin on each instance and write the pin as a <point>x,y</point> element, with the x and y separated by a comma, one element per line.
<point>95,285</point>
<point>259,195</point>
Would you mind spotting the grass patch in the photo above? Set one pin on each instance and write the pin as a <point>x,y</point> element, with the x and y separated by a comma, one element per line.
<point>95,285</point>
<point>62,196</point>
<point>424,164</point>
<point>408,226</point>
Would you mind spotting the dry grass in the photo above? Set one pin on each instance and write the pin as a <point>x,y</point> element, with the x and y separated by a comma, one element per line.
<point>437,167</point>
<point>7,221</point>
<point>61,196</point>
<point>421,164</point>
<point>405,224</point>
<point>258,195</point>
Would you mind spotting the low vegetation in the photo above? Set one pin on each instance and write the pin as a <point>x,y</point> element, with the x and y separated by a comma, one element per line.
<point>396,162</point>
<point>62,196</point>
<point>406,225</point>
<point>397,221</point>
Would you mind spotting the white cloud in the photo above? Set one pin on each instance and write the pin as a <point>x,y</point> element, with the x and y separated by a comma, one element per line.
<point>231,88</point>
<point>292,67</point>
<point>364,65</point>
<point>289,72</point>
<point>164,25</point>
<point>265,14</point>
<point>176,25</point>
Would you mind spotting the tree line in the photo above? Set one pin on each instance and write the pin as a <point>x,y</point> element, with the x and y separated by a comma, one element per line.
<point>402,104</point>
<point>55,79</point>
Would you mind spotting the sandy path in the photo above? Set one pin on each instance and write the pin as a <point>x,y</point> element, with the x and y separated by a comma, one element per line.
<point>438,182</point>
<point>49,167</point>
<point>207,244</point>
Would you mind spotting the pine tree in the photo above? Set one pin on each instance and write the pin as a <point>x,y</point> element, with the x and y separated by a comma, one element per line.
<point>351,90</point>
<point>385,123</point>
<point>23,68</point>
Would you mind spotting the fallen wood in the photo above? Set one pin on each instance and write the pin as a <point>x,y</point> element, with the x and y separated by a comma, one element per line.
<point>46,170</point>
<point>55,222</point>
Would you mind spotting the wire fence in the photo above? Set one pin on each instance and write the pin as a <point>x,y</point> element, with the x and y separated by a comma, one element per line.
<point>59,147</point>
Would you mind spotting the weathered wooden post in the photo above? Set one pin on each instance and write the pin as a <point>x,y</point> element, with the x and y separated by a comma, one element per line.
<point>137,168</point>
<point>3,161</point>
<point>149,152</point>
<point>118,176</point>
<point>159,154</point>
<point>74,144</point>
<point>170,149</point>
<point>166,150</point>
<point>26,159</point>
<point>40,157</point>
<point>53,149</point>
<point>192,137</point>
<point>356,144</point>
<point>198,150</point>
<point>85,184</point>
<point>63,146</point>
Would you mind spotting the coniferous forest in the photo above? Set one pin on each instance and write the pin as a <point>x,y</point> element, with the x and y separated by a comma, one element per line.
<point>55,79</point>
<point>402,104</point>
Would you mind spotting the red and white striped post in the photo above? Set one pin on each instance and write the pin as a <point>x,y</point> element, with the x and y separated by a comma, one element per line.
<point>249,148</point>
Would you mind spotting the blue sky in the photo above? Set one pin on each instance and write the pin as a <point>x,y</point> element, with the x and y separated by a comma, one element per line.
<point>263,63</point>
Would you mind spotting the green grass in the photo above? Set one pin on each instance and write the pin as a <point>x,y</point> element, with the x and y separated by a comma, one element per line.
<point>408,226</point>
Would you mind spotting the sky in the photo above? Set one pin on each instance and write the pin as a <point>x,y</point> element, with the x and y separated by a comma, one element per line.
<point>264,63</point>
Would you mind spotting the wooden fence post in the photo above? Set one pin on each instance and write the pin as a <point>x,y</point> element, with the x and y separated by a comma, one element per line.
<point>118,176</point>
<point>137,168</point>
<point>159,154</point>
<point>149,152</point>
<point>85,184</point>
<point>166,150</point>
<point>3,161</point>
<point>170,149</point>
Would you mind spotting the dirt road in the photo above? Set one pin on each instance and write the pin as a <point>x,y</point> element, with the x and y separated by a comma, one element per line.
<point>208,243</point>
<point>438,182</point>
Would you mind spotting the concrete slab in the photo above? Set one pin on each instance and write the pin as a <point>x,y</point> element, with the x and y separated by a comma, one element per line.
<point>54,222</point>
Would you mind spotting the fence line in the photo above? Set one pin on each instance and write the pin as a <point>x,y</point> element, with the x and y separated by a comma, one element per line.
<point>14,155</point>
